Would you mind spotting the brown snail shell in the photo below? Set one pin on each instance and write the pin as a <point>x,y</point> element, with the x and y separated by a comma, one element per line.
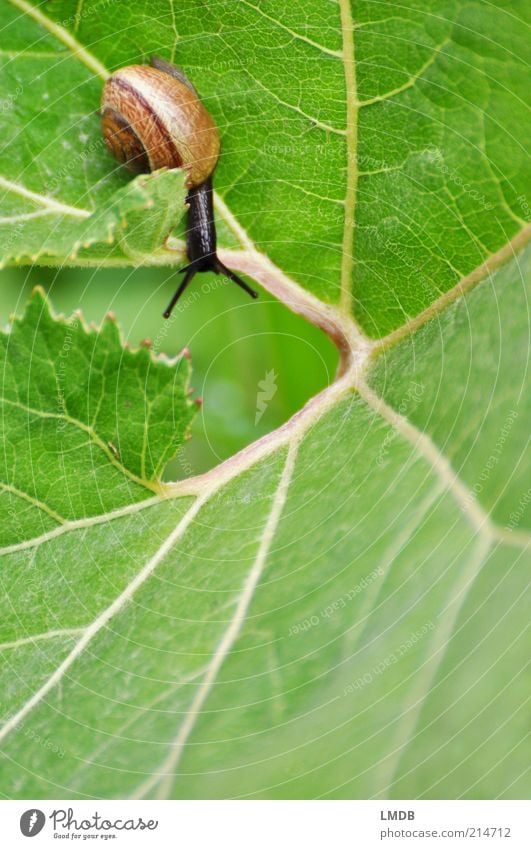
<point>152,120</point>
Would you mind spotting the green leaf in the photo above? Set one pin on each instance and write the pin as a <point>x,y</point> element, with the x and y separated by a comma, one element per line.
<point>87,426</point>
<point>319,142</point>
<point>340,610</point>
<point>133,223</point>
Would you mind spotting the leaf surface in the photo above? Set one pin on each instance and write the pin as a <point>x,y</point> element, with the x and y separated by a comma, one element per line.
<point>328,615</point>
<point>327,116</point>
<point>341,609</point>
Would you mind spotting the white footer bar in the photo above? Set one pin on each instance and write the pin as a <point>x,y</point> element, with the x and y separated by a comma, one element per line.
<point>266,824</point>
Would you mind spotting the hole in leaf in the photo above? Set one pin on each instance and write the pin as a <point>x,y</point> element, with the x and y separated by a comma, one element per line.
<point>254,363</point>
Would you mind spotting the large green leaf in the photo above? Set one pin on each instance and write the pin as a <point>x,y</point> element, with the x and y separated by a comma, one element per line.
<point>375,180</point>
<point>340,610</point>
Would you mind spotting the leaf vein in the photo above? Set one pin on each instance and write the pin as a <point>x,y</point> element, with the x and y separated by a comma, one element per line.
<point>35,502</point>
<point>102,620</point>
<point>165,774</point>
<point>96,440</point>
<point>349,64</point>
<point>50,204</point>
<point>410,82</point>
<point>336,53</point>
<point>78,51</point>
<point>47,635</point>
<point>79,524</point>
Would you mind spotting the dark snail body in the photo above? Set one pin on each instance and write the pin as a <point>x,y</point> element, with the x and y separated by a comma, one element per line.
<point>152,118</point>
<point>201,242</point>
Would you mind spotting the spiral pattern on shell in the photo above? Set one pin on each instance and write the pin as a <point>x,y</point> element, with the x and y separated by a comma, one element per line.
<point>153,120</point>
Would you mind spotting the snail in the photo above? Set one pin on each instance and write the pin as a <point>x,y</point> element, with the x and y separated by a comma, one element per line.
<point>152,117</point>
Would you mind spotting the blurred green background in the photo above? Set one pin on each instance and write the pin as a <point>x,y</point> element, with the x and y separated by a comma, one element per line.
<point>234,342</point>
